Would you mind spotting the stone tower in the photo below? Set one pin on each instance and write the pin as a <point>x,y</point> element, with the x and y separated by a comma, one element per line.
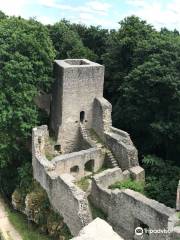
<point>78,82</point>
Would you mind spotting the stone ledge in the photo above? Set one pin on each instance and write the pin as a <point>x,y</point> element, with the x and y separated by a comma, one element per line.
<point>98,230</point>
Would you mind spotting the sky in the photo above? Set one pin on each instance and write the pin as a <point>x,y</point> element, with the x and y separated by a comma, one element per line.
<point>107,13</point>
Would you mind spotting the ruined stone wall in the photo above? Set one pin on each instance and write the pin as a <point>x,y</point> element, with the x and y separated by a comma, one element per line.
<point>101,116</point>
<point>78,82</point>
<point>127,209</point>
<point>122,147</point>
<point>118,141</point>
<point>65,197</point>
<point>64,163</point>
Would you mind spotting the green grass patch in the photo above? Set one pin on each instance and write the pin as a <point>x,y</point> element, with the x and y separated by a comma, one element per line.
<point>27,230</point>
<point>96,212</point>
<point>83,183</point>
<point>178,214</point>
<point>130,184</point>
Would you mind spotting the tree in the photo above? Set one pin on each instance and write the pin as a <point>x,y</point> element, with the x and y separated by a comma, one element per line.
<point>26,57</point>
<point>144,73</point>
<point>68,43</point>
<point>119,56</point>
<point>2,15</point>
<point>95,38</point>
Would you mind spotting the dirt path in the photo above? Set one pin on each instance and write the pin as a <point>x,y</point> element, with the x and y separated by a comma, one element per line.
<point>6,228</point>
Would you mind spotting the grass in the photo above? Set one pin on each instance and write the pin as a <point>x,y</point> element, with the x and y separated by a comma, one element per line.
<point>27,230</point>
<point>83,183</point>
<point>96,212</point>
<point>130,184</point>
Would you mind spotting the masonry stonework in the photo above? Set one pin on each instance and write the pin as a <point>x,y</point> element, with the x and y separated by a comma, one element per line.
<point>79,143</point>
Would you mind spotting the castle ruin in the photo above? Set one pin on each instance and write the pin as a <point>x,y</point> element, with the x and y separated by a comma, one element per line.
<point>82,143</point>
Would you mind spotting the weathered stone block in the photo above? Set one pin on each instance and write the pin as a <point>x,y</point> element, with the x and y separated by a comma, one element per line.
<point>98,230</point>
<point>137,173</point>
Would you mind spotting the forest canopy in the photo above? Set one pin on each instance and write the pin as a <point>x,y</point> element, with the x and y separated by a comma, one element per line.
<point>142,81</point>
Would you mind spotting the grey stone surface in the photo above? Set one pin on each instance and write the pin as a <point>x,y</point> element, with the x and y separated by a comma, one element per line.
<point>123,149</point>
<point>77,109</point>
<point>75,88</point>
<point>65,197</point>
<point>176,233</point>
<point>64,163</point>
<point>137,173</point>
<point>127,209</point>
<point>101,116</point>
<point>98,230</point>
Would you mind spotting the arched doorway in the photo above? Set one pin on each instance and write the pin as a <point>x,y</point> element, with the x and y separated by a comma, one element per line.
<point>82,116</point>
<point>89,166</point>
<point>74,170</point>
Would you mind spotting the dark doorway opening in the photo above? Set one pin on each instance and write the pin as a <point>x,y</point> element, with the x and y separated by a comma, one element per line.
<point>82,116</point>
<point>142,227</point>
<point>89,166</point>
<point>57,147</point>
<point>74,169</point>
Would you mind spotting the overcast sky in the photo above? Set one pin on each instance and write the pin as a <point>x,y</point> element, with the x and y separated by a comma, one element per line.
<point>160,13</point>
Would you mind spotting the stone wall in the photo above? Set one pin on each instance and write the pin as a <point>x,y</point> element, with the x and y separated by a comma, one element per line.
<point>122,147</point>
<point>118,141</point>
<point>77,83</point>
<point>64,163</point>
<point>127,209</point>
<point>101,116</point>
<point>65,197</point>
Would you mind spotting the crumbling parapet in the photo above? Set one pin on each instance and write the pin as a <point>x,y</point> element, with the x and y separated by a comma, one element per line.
<point>127,209</point>
<point>118,141</point>
<point>65,197</point>
<point>78,107</point>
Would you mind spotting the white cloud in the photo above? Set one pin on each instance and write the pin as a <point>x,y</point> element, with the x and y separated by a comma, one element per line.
<point>13,7</point>
<point>99,6</point>
<point>46,19</point>
<point>54,4</point>
<point>91,12</point>
<point>158,13</point>
<point>93,7</point>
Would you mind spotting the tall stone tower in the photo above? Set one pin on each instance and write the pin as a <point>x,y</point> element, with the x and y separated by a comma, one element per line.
<point>78,82</point>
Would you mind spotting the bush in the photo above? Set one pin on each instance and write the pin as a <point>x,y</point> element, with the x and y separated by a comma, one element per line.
<point>129,183</point>
<point>161,179</point>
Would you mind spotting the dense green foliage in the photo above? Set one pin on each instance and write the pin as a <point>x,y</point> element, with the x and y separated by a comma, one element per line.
<point>142,81</point>
<point>161,179</point>
<point>47,221</point>
<point>144,86</point>
<point>27,230</point>
<point>95,38</point>
<point>68,43</point>
<point>26,56</point>
<point>130,184</point>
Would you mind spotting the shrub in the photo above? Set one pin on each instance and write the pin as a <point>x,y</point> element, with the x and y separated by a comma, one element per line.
<point>129,183</point>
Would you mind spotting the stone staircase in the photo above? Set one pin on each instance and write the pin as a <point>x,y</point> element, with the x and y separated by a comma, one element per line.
<point>84,132</point>
<point>95,143</point>
<point>111,158</point>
